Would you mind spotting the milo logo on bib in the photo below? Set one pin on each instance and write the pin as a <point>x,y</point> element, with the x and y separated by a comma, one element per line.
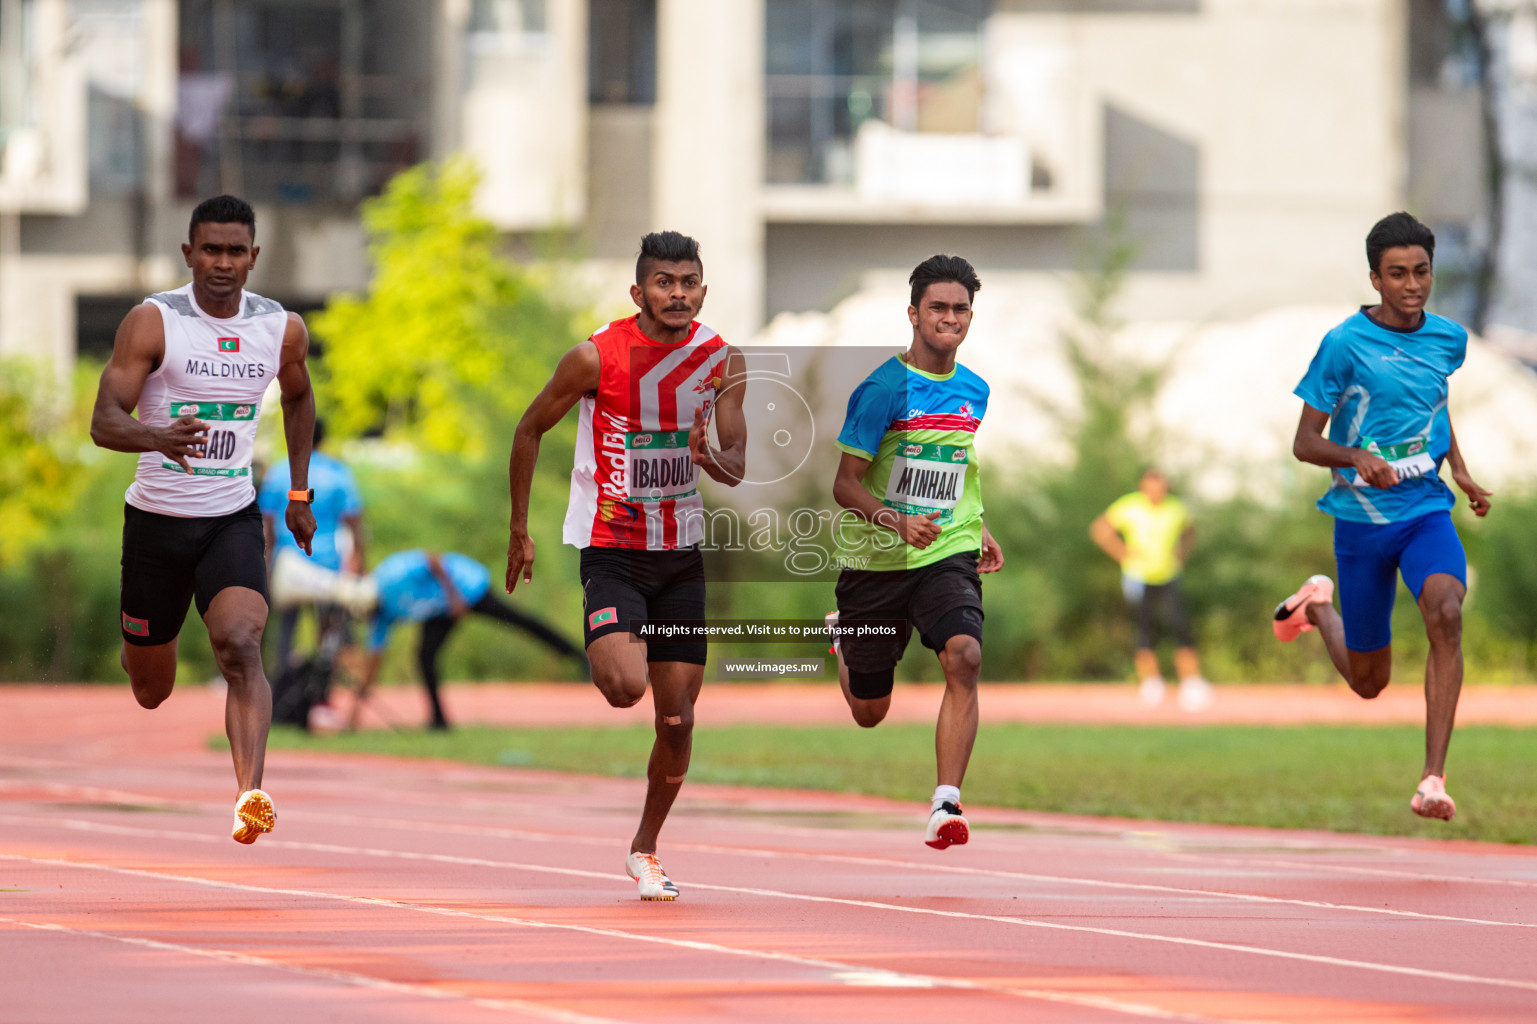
<point>927,478</point>
<point>659,466</point>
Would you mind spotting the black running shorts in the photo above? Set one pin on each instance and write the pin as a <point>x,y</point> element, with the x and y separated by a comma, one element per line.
<point>1169,601</point>
<point>168,560</point>
<point>941,600</point>
<point>621,586</point>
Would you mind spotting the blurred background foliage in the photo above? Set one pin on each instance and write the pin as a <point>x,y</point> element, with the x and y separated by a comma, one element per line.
<point>422,380</point>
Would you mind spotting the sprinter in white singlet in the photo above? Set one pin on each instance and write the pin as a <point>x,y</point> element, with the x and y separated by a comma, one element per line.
<point>196,362</point>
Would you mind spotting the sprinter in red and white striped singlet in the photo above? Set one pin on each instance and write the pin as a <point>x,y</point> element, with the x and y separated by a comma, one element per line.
<point>635,483</point>
<point>649,387</point>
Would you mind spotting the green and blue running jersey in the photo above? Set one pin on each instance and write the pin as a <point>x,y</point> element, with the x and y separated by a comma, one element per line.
<point>917,429</point>
<point>1385,390</point>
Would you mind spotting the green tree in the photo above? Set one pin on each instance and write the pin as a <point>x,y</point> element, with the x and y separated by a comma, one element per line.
<point>1071,623</point>
<point>40,433</point>
<point>451,339</point>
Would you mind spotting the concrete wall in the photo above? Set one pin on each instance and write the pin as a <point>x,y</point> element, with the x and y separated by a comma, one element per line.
<point>1248,145</point>
<point>707,160</point>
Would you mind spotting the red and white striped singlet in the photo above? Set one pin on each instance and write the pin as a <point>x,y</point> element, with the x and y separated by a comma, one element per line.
<point>634,484</point>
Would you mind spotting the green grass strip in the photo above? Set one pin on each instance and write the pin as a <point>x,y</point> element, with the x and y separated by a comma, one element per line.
<point>1338,778</point>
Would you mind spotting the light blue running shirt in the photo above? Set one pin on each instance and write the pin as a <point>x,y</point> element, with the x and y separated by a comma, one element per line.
<point>1386,390</point>
<point>336,497</point>
<point>409,592</point>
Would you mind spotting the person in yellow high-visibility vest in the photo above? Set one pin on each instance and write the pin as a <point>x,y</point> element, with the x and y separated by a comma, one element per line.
<point>1148,533</point>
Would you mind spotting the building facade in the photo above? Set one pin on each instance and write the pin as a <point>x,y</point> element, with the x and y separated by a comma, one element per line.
<point>1239,147</point>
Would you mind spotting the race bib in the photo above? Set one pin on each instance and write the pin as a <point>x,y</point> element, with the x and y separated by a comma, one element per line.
<point>658,466</point>
<point>1409,459</point>
<point>927,478</point>
<point>231,438</point>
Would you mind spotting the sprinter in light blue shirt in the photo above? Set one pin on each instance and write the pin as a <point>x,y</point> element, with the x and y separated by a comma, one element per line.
<point>1379,381</point>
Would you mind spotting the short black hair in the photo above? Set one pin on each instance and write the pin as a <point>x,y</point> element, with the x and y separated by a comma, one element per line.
<point>666,247</point>
<point>942,268</point>
<point>320,432</point>
<point>223,210</point>
<point>1394,230</point>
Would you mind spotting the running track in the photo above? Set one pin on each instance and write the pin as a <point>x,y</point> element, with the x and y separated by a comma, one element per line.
<point>409,891</point>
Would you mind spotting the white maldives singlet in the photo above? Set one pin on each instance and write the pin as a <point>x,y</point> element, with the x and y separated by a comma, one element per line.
<point>216,370</point>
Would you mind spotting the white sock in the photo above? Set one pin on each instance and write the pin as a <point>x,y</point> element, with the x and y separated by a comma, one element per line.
<point>946,794</point>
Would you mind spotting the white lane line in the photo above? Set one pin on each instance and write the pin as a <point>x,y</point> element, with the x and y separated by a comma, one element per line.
<point>835,858</point>
<point>345,977</point>
<point>1317,870</point>
<point>1238,860</point>
<point>840,971</point>
<point>1021,922</point>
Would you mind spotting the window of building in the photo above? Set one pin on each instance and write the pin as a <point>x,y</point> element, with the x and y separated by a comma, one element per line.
<point>17,59</point>
<point>621,51</point>
<point>832,65</point>
<point>303,101</point>
<point>507,17</point>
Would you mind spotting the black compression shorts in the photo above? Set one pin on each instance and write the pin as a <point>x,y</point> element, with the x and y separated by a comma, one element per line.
<point>169,560</point>
<point>941,600</point>
<point>621,587</point>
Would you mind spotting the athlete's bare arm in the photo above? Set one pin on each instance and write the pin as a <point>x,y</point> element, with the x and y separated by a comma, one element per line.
<point>298,424</point>
<point>1310,445</point>
<point>578,372</point>
<point>729,463</point>
<point>1109,539</point>
<point>136,353</point>
<point>1478,498</point>
<point>919,531</point>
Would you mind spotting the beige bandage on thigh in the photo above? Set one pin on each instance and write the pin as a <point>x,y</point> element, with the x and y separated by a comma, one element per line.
<point>677,778</point>
<point>672,719</point>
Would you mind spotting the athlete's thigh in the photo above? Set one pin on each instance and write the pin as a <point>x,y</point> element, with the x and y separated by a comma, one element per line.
<point>157,577</point>
<point>617,655</point>
<point>232,556</point>
<point>1368,581</point>
<point>1433,549</point>
<point>153,664</point>
<point>237,615</point>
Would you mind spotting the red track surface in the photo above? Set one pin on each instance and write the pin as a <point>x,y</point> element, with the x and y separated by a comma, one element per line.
<point>409,891</point>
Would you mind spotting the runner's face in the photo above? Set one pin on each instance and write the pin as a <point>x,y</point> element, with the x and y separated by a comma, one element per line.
<point>221,257</point>
<point>942,316</point>
<point>1403,279</point>
<point>672,293</point>
<point>1154,487</point>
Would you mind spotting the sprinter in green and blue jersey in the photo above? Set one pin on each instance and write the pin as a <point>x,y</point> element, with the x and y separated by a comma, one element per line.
<point>1379,381</point>
<point>911,539</point>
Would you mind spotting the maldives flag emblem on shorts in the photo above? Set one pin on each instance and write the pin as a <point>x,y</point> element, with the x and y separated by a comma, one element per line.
<point>229,344</point>
<point>138,627</point>
<point>602,617</point>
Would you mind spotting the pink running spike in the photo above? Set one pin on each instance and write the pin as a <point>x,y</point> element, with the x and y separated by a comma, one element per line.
<point>1291,615</point>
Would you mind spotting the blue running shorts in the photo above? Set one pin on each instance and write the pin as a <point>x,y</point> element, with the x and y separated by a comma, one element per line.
<point>1368,555</point>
